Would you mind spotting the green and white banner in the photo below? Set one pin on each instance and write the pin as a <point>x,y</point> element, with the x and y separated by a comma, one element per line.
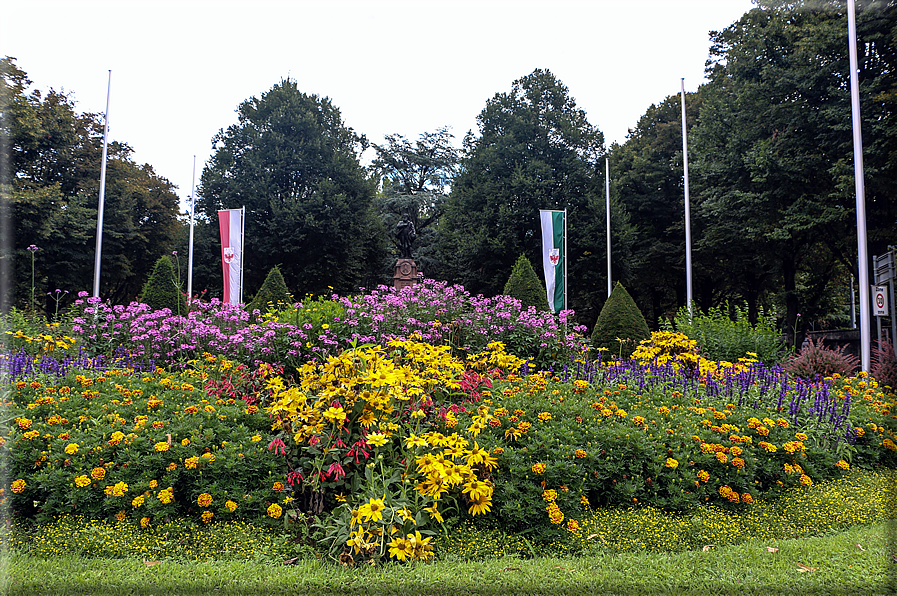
<point>554,259</point>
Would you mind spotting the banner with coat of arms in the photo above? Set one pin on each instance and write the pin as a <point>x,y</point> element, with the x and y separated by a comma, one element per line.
<point>230,222</point>
<point>553,258</point>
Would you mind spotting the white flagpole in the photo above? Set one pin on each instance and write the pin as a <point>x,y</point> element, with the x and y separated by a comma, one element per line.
<point>566,258</point>
<point>607,181</point>
<point>862,256</point>
<point>100,206</point>
<point>192,220</point>
<point>688,287</point>
<point>242,247</point>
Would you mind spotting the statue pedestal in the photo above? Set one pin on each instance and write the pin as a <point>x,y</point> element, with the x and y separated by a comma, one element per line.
<point>406,274</point>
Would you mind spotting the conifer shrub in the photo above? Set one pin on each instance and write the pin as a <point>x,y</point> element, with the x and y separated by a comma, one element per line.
<point>162,289</point>
<point>620,326</point>
<point>884,364</point>
<point>273,292</point>
<point>524,285</point>
<point>815,359</point>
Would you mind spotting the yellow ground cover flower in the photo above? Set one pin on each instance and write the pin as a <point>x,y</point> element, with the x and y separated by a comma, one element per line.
<point>18,485</point>
<point>274,510</point>
<point>82,481</point>
<point>161,446</point>
<point>204,500</point>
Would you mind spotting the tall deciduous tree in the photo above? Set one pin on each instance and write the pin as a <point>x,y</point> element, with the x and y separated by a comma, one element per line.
<point>536,150</point>
<point>774,145</point>
<point>54,155</point>
<point>293,163</point>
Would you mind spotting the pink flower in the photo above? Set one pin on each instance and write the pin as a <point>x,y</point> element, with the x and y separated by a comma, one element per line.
<point>277,446</point>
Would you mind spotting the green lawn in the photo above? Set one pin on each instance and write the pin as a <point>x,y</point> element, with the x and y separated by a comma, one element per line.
<point>857,561</point>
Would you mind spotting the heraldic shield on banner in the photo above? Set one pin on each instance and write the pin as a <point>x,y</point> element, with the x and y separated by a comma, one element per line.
<point>554,237</point>
<point>230,222</point>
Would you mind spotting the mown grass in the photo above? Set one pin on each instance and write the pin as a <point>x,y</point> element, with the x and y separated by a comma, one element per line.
<point>857,561</point>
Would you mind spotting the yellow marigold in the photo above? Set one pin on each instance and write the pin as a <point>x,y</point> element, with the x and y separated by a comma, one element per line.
<point>204,500</point>
<point>889,444</point>
<point>161,446</point>
<point>498,451</point>
<point>185,442</point>
<point>859,432</point>
<point>191,462</point>
<point>722,457</point>
<point>24,423</point>
<point>71,448</point>
<point>144,522</point>
<point>747,499</point>
<point>572,526</point>
<point>800,436</point>
<point>550,495</point>
<point>735,451</point>
<point>544,416</point>
<point>82,481</point>
<point>806,480</point>
<point>166,495</point>
<point>842,464</point>
<point>738,462</point>
<point>703,475</point>
<point>207,516</point>
<point>172,467</point>
<point>584,501</point>
<point>137,501</point>
<point>672,463</point>
<point>719,415</point>
<point>275,510</point>
<point>663,410</point>
<point>18,485</point>
<point>278,487</point>
<point>121,516</point>
<point>98,473</point>
<point>580,453</point>
<point>538,468</point>
<point>209,456</point>
<point>606,412</point>
<point>231,506</point>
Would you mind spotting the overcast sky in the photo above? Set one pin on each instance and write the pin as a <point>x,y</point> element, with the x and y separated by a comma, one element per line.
<point>181,68</point>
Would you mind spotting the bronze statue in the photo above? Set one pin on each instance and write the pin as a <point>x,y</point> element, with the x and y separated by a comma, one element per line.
<point>406,235</point>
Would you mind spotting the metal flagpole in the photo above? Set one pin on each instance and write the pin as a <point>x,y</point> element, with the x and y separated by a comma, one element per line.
<point>862,256</point>
<point>607,185</point>
<point>566,281</point>
<point>99,248</point>
<point>242,246</point>
<point>192,220</point>
<point>688,287</point>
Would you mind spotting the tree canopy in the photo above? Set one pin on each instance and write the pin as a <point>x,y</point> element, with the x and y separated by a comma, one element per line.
<point>293,163</point>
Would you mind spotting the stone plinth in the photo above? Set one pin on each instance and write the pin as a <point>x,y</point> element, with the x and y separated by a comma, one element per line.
<point>406,274</point>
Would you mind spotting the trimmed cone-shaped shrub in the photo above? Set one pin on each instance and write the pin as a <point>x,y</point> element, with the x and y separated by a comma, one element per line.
<point>161,290</point>
<point>273,291</point>
<point>524,285</point>
<point>620,327</point>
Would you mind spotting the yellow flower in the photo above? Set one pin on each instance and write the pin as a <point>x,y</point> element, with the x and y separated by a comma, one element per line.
<point>185,442</point>
<point>703,476</point>
<point>137,501</point>
<point>275,510</point>
<point>843,465</point>
<point>377,439</point>
<point>82,481</point>
<point>98,473</point>
<point>278,487</point>
<point>191,462</point>
<point>161,446</point>
<point>481,504</point>
<point>153,484</point>
<point>207,516</point>
<point>71,448</point>
<point>372,510</point>
<point>672,463</point>
<point>434,513</point>
<point>144,522</point>
<point>256,438</point>
<point>18,485</point>
<point>800,436</point>
<point>231,506</point>
<point>204,500</point>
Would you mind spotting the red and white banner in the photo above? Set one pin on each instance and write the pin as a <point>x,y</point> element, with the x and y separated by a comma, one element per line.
<point>230,222</point>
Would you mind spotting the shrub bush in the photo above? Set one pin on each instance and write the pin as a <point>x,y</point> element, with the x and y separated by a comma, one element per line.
<point>620,326</point>
<point>162,289</point>
<point>524,285</point>
<point>724,337</point>
<point>273,294</point>
<point>884,364</point>
<point>816,360</point>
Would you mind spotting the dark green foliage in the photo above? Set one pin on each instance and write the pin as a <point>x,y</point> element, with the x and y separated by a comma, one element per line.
<point>620,325</point>
<point>816,360</point>
<point>525,286</point>
<point>162,289</point>
<point>273,291</point>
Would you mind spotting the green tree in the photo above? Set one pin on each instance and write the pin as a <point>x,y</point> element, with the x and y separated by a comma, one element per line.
<point>774,147</point>
<point>525,285</point>
<point>620,326</point>
<point>54,156</point>
<point>273,291</point>
<point>162,289</point>
<point>536,150</point>
<point>294,165</point>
